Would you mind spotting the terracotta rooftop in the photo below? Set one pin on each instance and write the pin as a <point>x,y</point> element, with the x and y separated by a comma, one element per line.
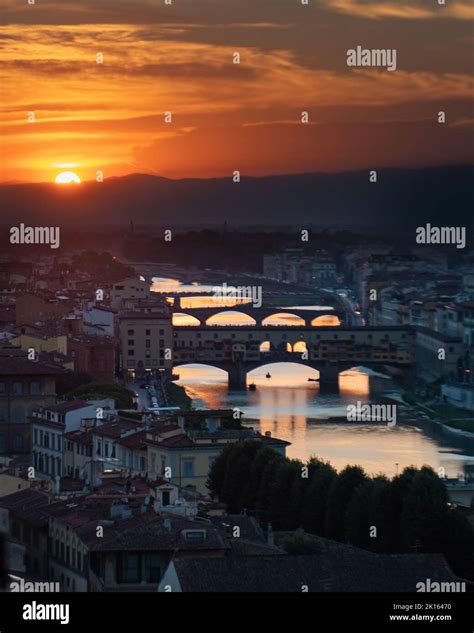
<point>28,505</point>
<point>69,405</point>
<point>347,570</point>
<point>14,362</point>
<point>115,428</point>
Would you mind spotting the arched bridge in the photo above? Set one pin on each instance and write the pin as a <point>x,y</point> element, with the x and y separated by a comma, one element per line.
<point>259,315</point>
<point>329,350</point>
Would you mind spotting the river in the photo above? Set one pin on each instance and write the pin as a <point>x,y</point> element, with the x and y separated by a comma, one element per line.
<point>292,409</point>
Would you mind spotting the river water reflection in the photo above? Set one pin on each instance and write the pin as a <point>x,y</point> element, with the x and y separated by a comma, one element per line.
<point>292,408</point>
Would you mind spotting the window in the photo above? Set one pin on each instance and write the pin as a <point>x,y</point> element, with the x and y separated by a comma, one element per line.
<point>195,535</point>
<point>162,342</point>
<point>35,388</point>
<point>18,415</point>
<point>131,342</point>
<point>147,332</point>
<point>188,467</point>
<point>130,332</point>
<point>17,443</point>
<point>131,352</point>
<point>152,568</point>
<point>148,343</point>
<point>17,388</point>
<point>2,389</point>
<point>35,436</point>
<point>162,332</point>
<point>129,568</point>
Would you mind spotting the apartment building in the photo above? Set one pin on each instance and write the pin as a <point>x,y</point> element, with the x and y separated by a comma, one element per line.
<point>146,336</point>
<point>25,385</point>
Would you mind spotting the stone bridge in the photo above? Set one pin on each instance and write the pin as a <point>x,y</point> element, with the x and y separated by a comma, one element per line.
<point>329,350</point>
<point>260,314</point>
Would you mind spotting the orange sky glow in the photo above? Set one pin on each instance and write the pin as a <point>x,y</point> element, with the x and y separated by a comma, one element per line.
<point>110,117</point>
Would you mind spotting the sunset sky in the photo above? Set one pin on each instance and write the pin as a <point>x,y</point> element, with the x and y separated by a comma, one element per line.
<point>230,117</point>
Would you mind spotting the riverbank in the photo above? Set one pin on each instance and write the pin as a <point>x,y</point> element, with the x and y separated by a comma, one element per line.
<point>177,396</point>
<point>459,421</point>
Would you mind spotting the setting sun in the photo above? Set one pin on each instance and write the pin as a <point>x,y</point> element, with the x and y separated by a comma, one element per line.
<point>66,178</point>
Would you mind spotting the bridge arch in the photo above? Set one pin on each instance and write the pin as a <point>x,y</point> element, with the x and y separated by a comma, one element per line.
<point>282,374</point>
<point>289,319</point>
<point>182,318</point>
<point>326,320</point>
<point>266,346</point>
<point>230,317</point>
<point>299,347</point>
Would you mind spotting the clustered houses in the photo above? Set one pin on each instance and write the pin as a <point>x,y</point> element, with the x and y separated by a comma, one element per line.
<point>181,448</point>
<point>293,265</point>
<point>61,307</point>
<point>51,424</point>
<point>137,534</point>
<point>187,455</point>
<point>120,537</point>
<point>56,316</point>
<point>424,290</point>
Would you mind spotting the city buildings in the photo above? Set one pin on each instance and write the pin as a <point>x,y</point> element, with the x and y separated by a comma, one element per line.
<point>146,335</point>
<point>50,424</point>
<point>317,269</point>
<point>25,385</point>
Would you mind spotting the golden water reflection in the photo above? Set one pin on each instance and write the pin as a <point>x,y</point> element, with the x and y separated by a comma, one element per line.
<point>293,409</point>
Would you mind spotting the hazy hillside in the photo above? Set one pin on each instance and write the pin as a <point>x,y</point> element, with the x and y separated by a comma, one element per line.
<point>400,197</point>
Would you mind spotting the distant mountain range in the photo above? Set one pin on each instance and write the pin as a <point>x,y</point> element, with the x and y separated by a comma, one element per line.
<point>401,198</point>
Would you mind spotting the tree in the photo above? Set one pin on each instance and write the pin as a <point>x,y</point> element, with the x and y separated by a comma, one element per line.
<point>265,487</point>
<point>458,543</point>
<point>217,471</point>
<point>400,485</point>
<point>98,390</point>
<point>339,497</point>
<point>357,515</point>
<point>317,486</point>
<point>237,472</point>
<point>365,518</point>
<point>72,380</point>
<point>424,511</point>
<point>280,510</point>
<point>301,543</point>
<point>248,498</point>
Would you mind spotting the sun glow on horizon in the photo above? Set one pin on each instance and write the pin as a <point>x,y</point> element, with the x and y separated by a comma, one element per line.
<point>67,178</point>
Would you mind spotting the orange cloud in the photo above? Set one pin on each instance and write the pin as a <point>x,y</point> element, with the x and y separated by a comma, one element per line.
<point>413,11</point>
